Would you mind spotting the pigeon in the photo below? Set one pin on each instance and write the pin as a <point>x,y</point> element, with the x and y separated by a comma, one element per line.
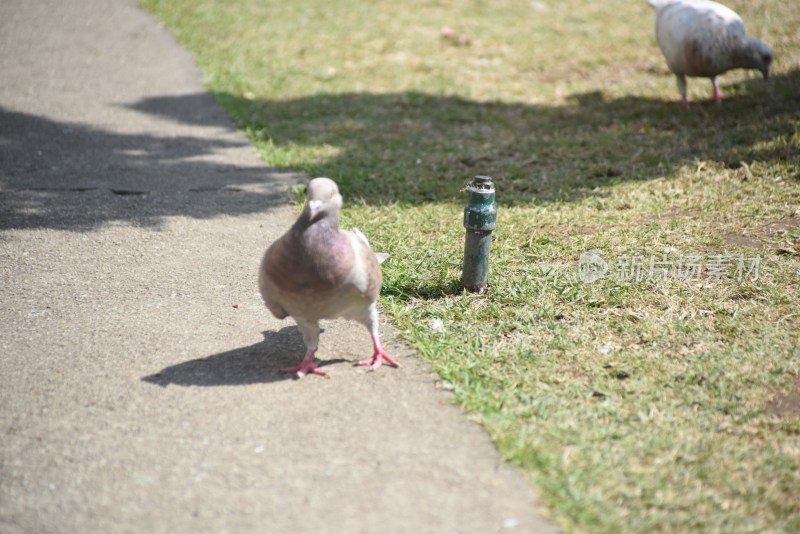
<point>705,39</point>
<point>317,271</point>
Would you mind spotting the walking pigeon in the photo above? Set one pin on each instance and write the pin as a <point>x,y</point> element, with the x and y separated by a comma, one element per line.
<point>317,271</point>
<point>705,39</point>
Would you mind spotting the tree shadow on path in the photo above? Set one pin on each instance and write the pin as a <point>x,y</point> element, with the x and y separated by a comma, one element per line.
<point>77,177</point>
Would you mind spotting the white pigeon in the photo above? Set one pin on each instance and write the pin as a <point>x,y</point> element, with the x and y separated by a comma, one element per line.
<point>317,271</point>
<point>701,38</point>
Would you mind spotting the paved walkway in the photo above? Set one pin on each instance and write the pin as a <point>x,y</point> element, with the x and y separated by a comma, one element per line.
<point>138,383</point>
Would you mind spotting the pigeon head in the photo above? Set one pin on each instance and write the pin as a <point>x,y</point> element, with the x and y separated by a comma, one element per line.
<point>324,200</point>
<point>757,55</point>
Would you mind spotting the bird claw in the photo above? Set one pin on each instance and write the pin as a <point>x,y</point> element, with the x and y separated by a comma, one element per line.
<point>303,369</point>
<point>377,360</point>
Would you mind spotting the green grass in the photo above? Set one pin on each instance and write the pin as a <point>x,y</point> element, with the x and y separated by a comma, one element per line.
<point>631,405</point>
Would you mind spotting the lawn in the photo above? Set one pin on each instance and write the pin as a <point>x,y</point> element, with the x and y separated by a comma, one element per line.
<point>664,396</point>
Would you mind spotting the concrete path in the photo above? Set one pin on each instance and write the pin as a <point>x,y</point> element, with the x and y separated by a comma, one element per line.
<point>138,383</point>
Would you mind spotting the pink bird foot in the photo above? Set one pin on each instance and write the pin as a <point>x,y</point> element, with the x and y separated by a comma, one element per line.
<point>308,365</point>
<point>717,94</point>
<point>377,358</point>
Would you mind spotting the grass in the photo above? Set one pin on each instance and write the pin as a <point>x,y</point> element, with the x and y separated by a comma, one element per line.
<point>632,403</point>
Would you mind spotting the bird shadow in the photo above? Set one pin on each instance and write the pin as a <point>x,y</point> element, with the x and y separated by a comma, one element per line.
<point>259,363</point>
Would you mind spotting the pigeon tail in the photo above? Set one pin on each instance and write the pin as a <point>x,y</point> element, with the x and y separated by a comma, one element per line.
<point>658,4</point>
<point>382,256</point>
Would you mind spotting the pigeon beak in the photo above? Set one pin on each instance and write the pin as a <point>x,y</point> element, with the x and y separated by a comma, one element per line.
<point>766,73</point>
<point>314,208</point>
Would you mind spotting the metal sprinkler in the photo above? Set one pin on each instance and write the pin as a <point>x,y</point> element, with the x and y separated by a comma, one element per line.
<point>479,220</point>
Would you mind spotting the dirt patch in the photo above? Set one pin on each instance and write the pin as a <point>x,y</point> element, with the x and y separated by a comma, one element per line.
<point>777,229</point>
<point>763,235</point>
<point>787,403</point>
<point>740,240</point>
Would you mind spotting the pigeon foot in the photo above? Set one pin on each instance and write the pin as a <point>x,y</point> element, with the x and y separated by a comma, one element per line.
<point>717,94</point>
<point>377,360</point>
<point>308,365</point>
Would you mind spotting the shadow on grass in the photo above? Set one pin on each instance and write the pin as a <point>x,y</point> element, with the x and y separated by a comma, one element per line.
<point>413,147</point>
<point>408,147</point>
<point>257,364</point>
<point>405,289</point>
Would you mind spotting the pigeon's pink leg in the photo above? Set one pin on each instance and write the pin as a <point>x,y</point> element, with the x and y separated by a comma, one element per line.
<point>681,79</point>
<point>378,356</point>
<point>308,365</point>
<point>717,94</point>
